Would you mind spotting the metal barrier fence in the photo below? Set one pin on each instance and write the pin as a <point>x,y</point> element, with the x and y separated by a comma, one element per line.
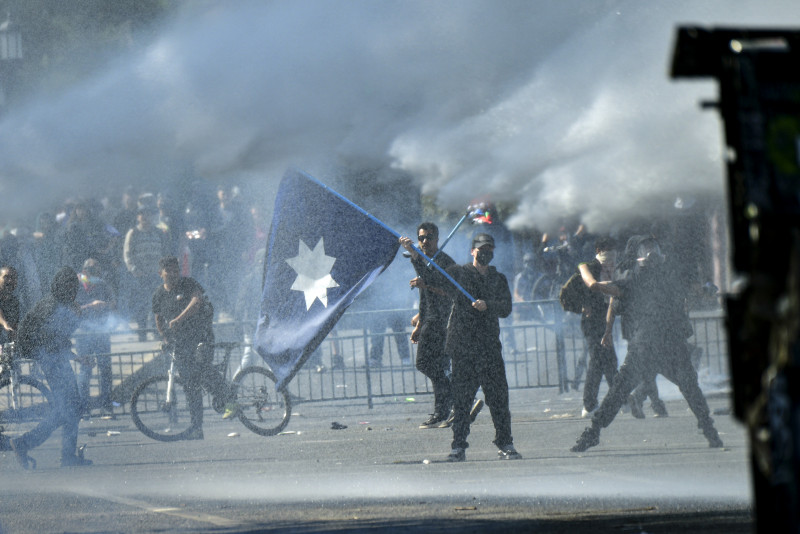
<point>543,351</point>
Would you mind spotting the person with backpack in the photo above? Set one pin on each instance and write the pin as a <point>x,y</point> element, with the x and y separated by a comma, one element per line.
<point>602,358</point>
<point>45,334</point>
<point>184,319</point>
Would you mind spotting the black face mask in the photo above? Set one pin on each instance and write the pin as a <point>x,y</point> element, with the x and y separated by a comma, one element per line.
<point>484,256</point>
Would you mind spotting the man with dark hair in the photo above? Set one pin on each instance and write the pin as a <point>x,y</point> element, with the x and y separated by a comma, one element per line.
<point>473,344</point>
<point>656,304</point>
<point>45,335</point>
<point>430,324</point>
<point>602,358</point>
<point>184,319</point>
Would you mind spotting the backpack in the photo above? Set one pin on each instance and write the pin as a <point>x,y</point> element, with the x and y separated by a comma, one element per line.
<point>573,294</point>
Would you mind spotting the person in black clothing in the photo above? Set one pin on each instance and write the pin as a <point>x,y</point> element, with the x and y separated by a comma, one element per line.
<point>184,319</point>
<point>9,304</point>
<point>473,344</point>
<point>656,306</point>
<point>648,386</point>
<point>430,324</point>
<point>602,358</point>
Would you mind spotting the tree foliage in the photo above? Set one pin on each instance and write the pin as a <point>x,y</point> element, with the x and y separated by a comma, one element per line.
<point>66,40</point>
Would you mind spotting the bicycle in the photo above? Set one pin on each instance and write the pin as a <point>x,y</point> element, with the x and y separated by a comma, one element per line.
<point>160,409</point>
<point>25,402</point>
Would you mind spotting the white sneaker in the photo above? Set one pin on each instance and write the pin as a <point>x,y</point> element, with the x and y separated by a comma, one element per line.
<point>586,414</point>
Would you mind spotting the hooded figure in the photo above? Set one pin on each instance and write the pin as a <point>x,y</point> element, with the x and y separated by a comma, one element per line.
<point>45,335</point>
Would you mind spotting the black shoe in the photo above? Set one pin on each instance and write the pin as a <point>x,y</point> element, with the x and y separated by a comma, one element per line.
<point>74,461</point>
<point>659,409</point>
<point>433,421</point>
<point>712,436</point>
<point>636,407</point>
<point>449,421</point>
<point>475,410</point>
<point>589,438</point>
<point>375,364</point>
<point>457,455</point>
<point>337,363</point>
<point>193,434</point>
<point>508,452</point>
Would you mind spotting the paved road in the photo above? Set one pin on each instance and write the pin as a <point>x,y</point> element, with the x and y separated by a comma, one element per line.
<point>382,472</point>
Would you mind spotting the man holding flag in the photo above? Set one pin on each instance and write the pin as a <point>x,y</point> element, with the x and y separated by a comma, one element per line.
<point>473,344</point>
<point>430,324</point>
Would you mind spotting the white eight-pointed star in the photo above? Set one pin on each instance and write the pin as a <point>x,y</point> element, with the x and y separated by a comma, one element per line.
<point>313,270</point>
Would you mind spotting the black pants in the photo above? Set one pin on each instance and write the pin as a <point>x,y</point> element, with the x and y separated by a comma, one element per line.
<point>602,363</point>
<point>434,363</point>
<point>668,357</point>
<point>485,370</point>
<point>197,372</point>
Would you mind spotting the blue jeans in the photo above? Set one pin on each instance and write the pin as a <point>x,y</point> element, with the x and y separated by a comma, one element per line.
<point>66,405</point>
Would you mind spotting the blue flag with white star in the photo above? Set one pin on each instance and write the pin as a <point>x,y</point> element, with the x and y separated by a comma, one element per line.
<point>323,251</point>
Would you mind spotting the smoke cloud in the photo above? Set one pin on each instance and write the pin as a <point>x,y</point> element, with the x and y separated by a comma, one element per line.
<point>559,108</point>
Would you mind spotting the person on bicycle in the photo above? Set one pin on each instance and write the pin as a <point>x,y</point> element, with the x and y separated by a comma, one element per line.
<point>45,334</point>
<point>184,318</point>
<point>9,304</point>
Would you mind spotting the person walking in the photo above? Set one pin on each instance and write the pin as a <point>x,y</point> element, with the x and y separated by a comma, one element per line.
<point>602,358</point>
<point>473,344</point>
<point>45,335</point>
<point>660,327</point>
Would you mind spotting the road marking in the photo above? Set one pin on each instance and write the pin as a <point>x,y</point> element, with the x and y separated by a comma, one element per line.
<point>172,511</point>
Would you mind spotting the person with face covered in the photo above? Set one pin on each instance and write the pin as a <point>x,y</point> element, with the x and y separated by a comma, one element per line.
<point>45,335</point>
<point>473,345</point>
<point>602,358</point>
<point>660,325</point>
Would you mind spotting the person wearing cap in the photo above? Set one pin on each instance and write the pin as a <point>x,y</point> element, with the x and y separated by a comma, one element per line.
<point>473,345</point>
<point>660,325</point>
<point>144,246</point>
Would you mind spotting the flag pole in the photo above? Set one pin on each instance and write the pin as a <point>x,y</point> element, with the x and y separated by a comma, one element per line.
<point>449,236</point>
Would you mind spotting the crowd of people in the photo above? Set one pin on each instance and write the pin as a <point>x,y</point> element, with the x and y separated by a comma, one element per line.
<point>87,263</point>
<point>215,235</point>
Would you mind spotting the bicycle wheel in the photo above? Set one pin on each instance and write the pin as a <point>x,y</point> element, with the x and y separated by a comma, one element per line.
<point>23,407</point>
<point>262,408</point>
<point>154,415</point>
